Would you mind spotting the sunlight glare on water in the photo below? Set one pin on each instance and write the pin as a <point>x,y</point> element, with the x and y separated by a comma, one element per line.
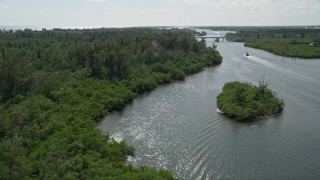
<point>177,126</point>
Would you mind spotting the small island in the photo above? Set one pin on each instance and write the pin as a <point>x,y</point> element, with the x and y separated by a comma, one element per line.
<point>244,101</point>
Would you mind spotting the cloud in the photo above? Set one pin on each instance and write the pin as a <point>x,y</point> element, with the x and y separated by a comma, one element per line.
<point>194,1</point>
<point>249,12</point>
<point>136,11</point>
<point>37,12</point>
<point>164,10</point>
<point>253,4</point>
<point>4,8</point>
<point>97,1</point>
<point>120,7</point>
<point>200,2</point>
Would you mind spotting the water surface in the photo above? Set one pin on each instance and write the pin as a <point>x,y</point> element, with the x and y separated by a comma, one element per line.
<point>177,127</point>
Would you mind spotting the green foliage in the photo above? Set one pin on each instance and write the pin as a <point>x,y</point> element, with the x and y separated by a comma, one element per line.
<point>202,33</point>
<point>302,43</point>
<point>244,101</point>
<point>234,37</point>
<point>55,84</point>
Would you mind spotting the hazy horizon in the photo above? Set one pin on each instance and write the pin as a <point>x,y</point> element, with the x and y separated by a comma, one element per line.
<point>124,13</point>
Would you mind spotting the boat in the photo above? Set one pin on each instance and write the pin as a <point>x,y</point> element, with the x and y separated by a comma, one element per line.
<point>247,54</point>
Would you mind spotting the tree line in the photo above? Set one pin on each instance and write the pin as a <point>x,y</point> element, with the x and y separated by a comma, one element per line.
<point>291,42</point>
<point>55,84</point>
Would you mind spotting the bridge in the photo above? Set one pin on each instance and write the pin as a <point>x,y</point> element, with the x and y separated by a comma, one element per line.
<point>213,37</point>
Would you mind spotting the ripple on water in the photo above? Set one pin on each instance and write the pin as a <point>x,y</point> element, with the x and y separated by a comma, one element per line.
<point>176,126</point>
<point>205,139</point>
<point>297,151</point>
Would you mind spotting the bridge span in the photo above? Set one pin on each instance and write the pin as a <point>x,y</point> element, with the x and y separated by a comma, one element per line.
<point>218,38</point>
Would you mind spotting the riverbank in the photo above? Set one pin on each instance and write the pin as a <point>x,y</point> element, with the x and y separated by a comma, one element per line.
<point>56,83</point>
<point>289,42</point>
<point>176,127</point>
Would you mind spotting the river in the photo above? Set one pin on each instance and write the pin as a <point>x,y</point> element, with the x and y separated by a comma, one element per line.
<point>177,127</point>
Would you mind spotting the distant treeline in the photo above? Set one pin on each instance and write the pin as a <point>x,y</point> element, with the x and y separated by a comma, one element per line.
<point>295,42</point>
<point>56,83</point>
<point>257,28</point>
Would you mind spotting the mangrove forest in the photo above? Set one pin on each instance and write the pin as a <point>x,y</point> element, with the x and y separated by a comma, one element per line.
<point>244,101</point>
<point>292,42</point>
<point>55,84</point>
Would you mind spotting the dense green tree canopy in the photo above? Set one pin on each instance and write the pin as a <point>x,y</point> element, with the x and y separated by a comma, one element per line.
<point>55,84</point>
<point>292,42</point>
<point>244,101</point>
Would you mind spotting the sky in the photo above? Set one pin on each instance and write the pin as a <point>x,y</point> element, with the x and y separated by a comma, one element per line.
<point>128,13</point>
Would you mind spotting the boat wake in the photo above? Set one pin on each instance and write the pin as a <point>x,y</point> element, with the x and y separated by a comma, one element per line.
<point>286,71</point>
<point>219,111</point>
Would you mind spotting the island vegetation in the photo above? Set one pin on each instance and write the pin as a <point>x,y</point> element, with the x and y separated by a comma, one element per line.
<point>244,101</point>
<point>55,84</point>
<point>202,33</point>
<point>284,41</point>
